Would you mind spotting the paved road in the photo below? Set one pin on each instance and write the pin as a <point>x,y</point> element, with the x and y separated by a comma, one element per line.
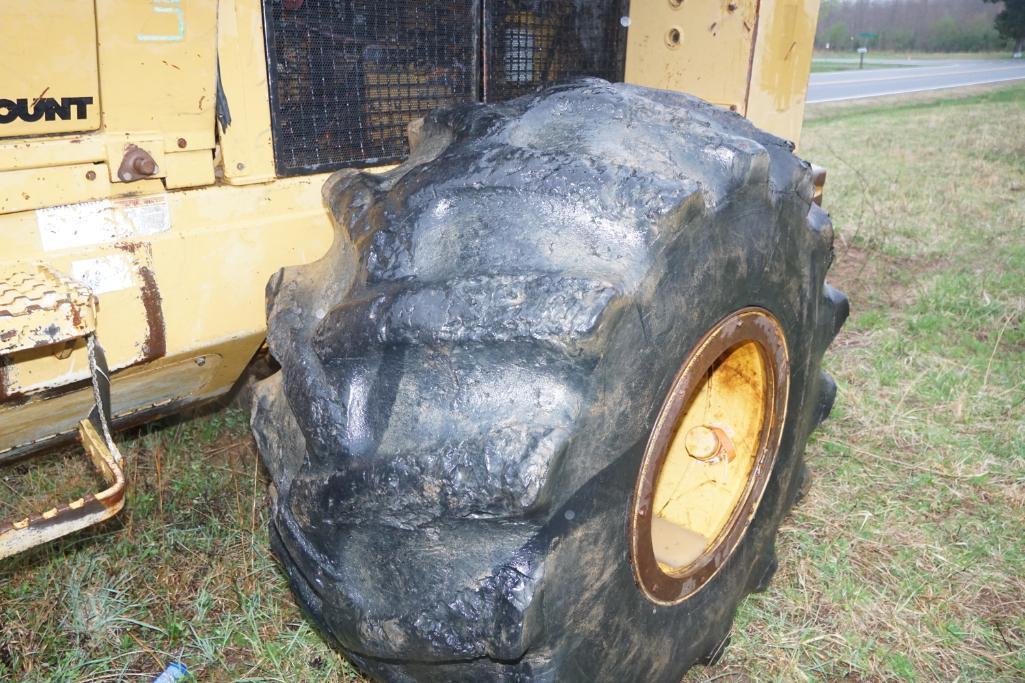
<point>834,86</point>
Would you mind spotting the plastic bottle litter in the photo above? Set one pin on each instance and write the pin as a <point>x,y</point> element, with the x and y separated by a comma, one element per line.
<point>173,672</point>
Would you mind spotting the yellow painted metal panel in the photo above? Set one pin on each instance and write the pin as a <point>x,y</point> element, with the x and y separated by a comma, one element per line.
<point>189,169</point>
<point>158,92</point>
<point>701,47</point>
<point>32,188</point>
<point>21,153</point>
<point>48,52</point>
<point>132,390</point>
<point>204,294</point>
<point>782,63</point>
<point>751,56</point>
<point>158,61</point>
<point>246,145</point>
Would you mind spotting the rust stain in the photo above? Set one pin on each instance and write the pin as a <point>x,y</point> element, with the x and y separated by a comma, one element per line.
<point>4,396</point>
<point>173,66</point>
<point>130,247</point>
<point>155,345</point>
<point>200,105</point>
<point>76,316</point>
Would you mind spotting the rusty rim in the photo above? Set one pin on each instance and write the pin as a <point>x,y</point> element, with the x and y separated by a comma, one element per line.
<point>709,455</point>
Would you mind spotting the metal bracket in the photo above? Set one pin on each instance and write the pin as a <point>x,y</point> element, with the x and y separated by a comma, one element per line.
<point>96,436</point>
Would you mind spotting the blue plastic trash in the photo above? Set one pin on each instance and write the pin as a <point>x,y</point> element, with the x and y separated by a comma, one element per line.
<point>173,672</point>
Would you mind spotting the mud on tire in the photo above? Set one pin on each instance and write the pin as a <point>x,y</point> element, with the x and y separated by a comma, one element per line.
<point>470,377</point>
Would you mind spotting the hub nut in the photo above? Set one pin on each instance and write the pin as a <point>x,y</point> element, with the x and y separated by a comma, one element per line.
<point>702,443</point>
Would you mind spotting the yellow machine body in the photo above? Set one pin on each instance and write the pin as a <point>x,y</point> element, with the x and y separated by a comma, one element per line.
<point>178,261</point>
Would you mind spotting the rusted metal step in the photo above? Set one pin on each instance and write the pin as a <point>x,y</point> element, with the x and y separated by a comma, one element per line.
<point>39,306</point>
<point>18,535</point>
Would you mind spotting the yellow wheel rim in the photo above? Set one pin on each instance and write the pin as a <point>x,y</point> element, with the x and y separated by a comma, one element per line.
<point>710,454</point>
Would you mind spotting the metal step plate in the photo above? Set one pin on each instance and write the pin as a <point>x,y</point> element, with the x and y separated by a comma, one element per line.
<point>40,306</point>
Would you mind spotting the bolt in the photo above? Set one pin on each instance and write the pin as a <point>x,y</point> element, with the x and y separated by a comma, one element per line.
<point>90,175</point>
<point>182,143</point>
<point>240,166</point>
<point>201,361</point>
<point>702,443</point>
<point>144,165</point>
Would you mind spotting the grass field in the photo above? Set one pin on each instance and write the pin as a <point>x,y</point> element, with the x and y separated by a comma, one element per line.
<point>891,54</point>
<point>825,66</point>
<point>906,560</point>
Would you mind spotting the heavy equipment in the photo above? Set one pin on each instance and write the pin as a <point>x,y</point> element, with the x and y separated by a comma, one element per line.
<point>550,364</point>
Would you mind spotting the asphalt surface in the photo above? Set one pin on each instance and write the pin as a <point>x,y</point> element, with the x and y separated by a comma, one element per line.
<point>834,86</point>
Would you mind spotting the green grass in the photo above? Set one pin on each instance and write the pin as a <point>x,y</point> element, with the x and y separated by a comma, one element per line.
<point>895,54</point>
<point>184,571</point>
<point>906,560</point>
<point>818,66</point>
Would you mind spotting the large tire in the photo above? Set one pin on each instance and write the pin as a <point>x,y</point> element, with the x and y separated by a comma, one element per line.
<point>470,377</point>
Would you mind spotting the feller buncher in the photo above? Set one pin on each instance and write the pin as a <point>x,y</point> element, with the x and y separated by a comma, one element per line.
<point>544,278</point>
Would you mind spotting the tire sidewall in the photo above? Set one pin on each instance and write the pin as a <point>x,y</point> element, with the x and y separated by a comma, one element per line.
<point>752,253</point>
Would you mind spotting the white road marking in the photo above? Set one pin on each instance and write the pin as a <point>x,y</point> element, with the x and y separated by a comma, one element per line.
<point>916,74</point>
<point>911,90</point>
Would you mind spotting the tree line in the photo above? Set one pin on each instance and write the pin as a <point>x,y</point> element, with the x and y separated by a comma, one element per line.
<point>923,25</point>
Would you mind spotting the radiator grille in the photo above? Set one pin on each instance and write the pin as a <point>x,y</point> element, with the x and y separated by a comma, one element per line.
<point>532,42</point>
<point>346,76</point>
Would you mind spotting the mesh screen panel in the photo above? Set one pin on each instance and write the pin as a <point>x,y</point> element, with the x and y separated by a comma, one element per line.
<point>346,76</point>
<point>528,43</point>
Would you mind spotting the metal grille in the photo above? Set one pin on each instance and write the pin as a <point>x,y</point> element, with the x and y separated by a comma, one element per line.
<point>347,76</point>
<point>528,43</point>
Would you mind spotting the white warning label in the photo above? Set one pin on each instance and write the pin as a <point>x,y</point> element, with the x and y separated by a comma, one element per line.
<point>107,220</point>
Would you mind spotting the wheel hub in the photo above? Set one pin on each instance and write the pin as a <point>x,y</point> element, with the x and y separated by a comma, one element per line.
<point>710,455</point>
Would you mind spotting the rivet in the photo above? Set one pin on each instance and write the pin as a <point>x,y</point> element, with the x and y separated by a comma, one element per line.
<point>182,143</point>
<point>90,175</point>
<point>240,166</point>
